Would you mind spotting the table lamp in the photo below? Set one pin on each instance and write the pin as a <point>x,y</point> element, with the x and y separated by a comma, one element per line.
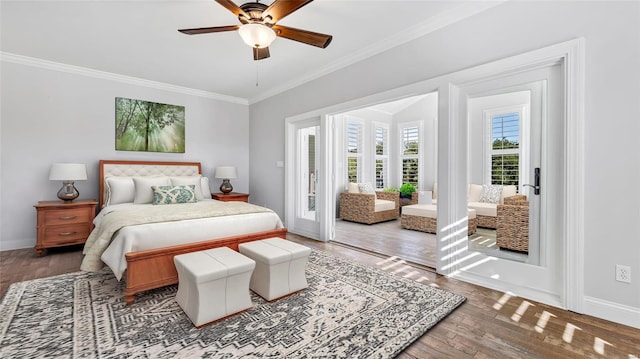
<point>226,173</point>
<point>67,173</point>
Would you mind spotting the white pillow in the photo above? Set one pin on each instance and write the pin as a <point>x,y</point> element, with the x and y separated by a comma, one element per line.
<point>119,190</point>
<point>508,191</point>
<point>206,190</point>
<point>353,188</point>
<point>366,187</point>
<point>435,190</point>
<point>475,191</point>
<point>424,197</point>
<point>195,181</point>
<point>491,193</point>
<point>144,193</point>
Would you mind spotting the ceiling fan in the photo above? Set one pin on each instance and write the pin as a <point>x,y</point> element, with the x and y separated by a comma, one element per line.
<point>259,26</point>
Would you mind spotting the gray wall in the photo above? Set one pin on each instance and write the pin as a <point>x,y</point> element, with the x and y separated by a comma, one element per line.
<point>612,34</point>
<point>53,116</point>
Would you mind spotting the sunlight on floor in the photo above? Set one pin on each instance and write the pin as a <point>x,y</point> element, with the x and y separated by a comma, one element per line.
<point>570,330</point>
<point>484,241</point>
<point>543,320</point>
<point>547,322</point>
<point>524,306</point>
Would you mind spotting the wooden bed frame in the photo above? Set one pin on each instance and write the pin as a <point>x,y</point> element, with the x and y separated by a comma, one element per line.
<point>154,268</point>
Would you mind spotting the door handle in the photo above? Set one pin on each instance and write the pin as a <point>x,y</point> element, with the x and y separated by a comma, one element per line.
<point>536,181</point>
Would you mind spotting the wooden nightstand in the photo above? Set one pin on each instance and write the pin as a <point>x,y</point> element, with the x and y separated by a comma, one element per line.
<point>230,197</point>
<point>64,224</point>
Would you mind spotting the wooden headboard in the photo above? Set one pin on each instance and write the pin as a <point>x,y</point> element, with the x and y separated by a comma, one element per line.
<point>143,168</point>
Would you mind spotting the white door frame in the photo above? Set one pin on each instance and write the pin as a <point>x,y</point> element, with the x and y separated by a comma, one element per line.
<point>324,180</point>
<point>452,190</point>
<point>452,206</point>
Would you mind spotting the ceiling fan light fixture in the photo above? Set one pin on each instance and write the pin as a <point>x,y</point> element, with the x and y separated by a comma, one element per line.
<point>257,35</point>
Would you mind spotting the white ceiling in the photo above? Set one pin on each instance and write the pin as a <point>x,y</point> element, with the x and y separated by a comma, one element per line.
<point>140,39</point>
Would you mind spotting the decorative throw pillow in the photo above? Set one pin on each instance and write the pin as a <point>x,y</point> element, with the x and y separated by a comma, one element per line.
<point>366,187</point>
<point>491,193</point>
<point>173,195</point>
<point>190,180</point>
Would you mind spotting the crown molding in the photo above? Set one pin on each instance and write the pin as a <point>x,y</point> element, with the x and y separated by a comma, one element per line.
<point>459,13</point>
<point>83,71</point>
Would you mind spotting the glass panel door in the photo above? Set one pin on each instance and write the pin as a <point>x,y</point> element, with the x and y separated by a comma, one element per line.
<point>504,152</point>
<point>308,172</point>
<point>307,192</point>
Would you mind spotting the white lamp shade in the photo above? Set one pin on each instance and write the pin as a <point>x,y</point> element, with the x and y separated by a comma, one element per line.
<point>226,172</point>
<point>257,35</point>
<point>68,172</point>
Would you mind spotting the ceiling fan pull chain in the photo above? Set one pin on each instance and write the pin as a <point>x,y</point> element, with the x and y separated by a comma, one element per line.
<point>256,73</point>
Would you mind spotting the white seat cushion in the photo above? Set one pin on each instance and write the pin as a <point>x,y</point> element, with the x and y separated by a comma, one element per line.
<point>421,210</point>
<point>484,209</point>
<point>428,210</point>
<point>384,205</point>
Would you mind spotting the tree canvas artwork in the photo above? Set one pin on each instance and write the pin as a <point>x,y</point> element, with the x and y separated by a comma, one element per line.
<point>149,126</point>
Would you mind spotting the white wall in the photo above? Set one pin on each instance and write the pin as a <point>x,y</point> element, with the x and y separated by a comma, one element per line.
<point>53,116</point>
<point>612,34</point>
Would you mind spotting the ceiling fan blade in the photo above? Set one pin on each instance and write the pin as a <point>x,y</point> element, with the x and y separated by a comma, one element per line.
<point>206,30</point>
<point>281,8</point>
<point>259,54</point>
<point>304,36</point>
<point>231,6</point>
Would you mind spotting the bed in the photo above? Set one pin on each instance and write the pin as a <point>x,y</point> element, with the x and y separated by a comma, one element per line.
<point>143,253</point>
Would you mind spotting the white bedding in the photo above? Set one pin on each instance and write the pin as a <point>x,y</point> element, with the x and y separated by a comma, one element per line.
<point>156,235</point>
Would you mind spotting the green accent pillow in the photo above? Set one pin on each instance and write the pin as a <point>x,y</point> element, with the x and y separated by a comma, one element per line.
<point>173,195</point>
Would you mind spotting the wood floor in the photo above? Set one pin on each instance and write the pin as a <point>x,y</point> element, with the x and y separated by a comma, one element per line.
<point>489,324</point>
<point>390,239</point>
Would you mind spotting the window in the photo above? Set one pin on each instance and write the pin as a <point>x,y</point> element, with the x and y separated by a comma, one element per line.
<point>505,149</point>
<point>381,155</point>
<point>354,151</point>
<point>409,155</point>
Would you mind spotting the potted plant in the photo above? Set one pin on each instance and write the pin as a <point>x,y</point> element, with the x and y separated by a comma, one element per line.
<point>406,191</point>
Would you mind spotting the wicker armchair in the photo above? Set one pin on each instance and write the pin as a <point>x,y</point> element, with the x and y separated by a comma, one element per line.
<point>360,207</point>
<point>512,230</point>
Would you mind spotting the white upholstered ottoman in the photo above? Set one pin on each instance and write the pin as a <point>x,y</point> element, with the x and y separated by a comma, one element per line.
<point>213,284</point>
<point>280,266</point>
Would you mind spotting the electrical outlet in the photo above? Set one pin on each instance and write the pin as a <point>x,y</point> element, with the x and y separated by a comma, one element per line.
<point>623,273</point>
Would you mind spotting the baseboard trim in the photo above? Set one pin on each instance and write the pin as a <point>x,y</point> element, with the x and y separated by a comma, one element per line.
<point>17,244</point>
<point>615,312</point>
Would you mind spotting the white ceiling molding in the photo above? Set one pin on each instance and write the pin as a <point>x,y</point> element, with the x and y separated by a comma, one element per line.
<point>77,70</point>
<point>459,13</point>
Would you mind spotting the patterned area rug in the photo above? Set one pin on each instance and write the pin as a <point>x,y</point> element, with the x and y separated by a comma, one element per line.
<point>348,311</point>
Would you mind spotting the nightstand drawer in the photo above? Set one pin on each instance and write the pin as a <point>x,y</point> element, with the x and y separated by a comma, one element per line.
<point>67,216</point>
<point>58,235</point>
<point>63,223</point>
